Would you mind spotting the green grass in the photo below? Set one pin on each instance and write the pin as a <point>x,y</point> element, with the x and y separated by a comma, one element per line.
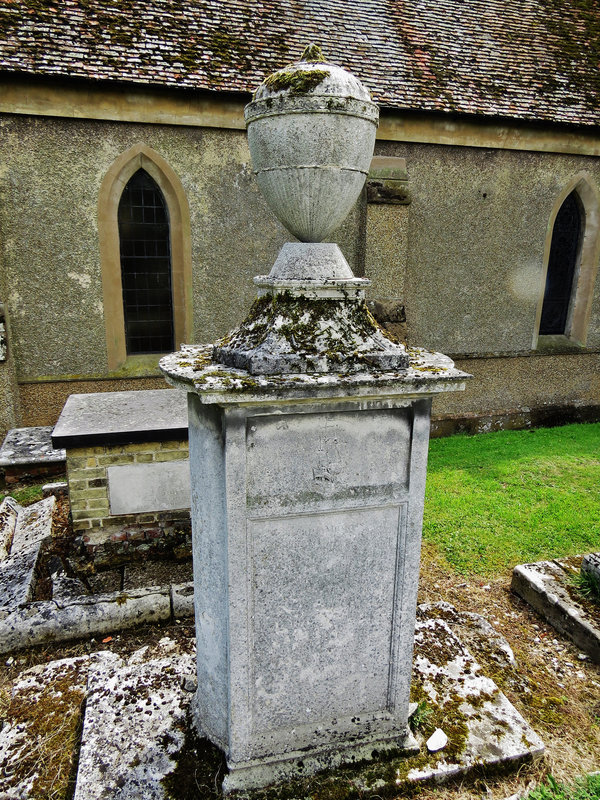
<point>25,495</point>
<point>499,499</point>
<point>587,788</point>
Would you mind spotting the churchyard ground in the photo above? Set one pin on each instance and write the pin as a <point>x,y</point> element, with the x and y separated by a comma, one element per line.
<point>493,501</point>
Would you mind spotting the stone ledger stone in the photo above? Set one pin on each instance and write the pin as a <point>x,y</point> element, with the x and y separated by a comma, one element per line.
<point>134,723</point>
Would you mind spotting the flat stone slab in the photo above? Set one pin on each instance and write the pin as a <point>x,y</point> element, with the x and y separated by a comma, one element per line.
<point>482,726</point>
<point>121,417</point>
<point>44,711</point>
<point>17,570</point>
<point>30,446</point>
<point>134,726</point>
<point>547,587</point>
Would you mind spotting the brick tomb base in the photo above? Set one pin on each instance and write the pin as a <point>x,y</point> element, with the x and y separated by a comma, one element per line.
<point>127,466</point>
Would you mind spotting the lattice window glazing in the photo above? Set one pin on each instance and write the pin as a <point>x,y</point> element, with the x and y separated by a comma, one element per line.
<point>146,267</point>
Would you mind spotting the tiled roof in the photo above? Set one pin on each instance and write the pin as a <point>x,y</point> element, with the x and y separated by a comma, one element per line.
<point>525,59</point>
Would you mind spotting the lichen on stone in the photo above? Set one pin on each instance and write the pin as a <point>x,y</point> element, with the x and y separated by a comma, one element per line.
<point>313,335</point>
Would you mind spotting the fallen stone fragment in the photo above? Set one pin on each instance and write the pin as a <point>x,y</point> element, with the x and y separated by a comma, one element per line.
<point>545,586</point>
<point>9,512</point>
<point>55,620</point>
<point>38,740</point>
<point>134,726</point>
<point>17,571</point>
<point>437,741</point>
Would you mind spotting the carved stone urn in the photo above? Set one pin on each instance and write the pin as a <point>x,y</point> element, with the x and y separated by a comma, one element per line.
<point>311,133</point>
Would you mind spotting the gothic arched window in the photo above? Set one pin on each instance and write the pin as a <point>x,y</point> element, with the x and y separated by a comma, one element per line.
<point>565,249</point>
<point>145,251</point>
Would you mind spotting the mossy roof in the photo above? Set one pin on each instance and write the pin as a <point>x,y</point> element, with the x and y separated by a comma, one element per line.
<point>523,59</point>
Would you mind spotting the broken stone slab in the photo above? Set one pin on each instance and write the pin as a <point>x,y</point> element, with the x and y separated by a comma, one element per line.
<point>473,630</point>
<point>17,571</point>
<point>493,732</point>
<point>9,512</point>
<point>134,726</point>
<point>54,620</point>
<point>30,446</point>
<point>591,565</point>
<point>34,524</point>
<point>546,586</point>
<point>44,709</point>
<point>57,488</point>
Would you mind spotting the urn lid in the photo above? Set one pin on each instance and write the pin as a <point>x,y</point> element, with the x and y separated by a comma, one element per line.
<point>311,84</point>
<point>312,75</point>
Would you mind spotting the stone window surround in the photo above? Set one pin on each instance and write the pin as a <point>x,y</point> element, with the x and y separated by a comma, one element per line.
<point>585,271</point>
<point>137,157</point>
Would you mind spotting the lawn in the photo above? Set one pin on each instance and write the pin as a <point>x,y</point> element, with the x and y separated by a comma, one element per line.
<point>499,499</point>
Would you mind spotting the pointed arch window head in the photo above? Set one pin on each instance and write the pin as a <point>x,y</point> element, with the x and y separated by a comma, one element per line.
<point>145,254</point>
<point>564,255</point>
<point>571,255</point>
<point>145,251</point>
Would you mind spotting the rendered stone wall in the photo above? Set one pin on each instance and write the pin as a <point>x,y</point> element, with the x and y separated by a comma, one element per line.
<point>53,172</point>
<point>465,257</point>
<point>478,221</point>
<point>88,484</point>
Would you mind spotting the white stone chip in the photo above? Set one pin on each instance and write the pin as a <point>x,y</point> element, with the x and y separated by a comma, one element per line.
<point>437,741</point>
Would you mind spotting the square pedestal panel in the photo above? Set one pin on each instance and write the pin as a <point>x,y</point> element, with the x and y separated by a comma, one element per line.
<point>307,524</point>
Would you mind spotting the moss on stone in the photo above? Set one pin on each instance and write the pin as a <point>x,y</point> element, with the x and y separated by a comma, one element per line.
<point>312,329</point>
<point>313,54</point>
<point>298,81</point>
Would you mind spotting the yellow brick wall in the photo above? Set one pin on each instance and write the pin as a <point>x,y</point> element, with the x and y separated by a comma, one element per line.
<point>88,484</point>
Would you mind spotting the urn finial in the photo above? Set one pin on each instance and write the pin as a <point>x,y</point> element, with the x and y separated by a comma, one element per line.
<point>311,132</point>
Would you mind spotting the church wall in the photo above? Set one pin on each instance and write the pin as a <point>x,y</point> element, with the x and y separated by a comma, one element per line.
<point>465,257</point>
<point>49,190</point>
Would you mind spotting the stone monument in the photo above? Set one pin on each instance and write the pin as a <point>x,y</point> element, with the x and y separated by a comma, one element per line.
<point>308,431</point>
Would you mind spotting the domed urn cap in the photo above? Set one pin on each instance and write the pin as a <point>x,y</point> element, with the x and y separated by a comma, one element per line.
<point>311,133</point>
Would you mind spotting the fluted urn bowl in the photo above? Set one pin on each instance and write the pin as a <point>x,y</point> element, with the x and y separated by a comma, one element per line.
<point>311,132</point>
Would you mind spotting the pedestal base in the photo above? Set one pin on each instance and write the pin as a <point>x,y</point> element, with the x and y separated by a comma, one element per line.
<point>264,772</point>
<point>307,499</point>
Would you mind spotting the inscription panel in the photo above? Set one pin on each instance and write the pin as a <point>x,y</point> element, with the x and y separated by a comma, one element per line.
<point>323,589</point>
<point>306,462</point>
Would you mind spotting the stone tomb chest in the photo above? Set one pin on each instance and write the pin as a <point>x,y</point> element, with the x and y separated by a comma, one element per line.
<point>127,458</point>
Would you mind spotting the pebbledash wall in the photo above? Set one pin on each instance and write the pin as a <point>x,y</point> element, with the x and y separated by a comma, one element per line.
<point>453,230</point>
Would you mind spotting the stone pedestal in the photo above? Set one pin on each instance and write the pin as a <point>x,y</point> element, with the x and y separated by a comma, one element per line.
<point>307,502</point>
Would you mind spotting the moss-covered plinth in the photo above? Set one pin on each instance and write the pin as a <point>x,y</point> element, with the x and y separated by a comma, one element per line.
<point>289,333</point>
